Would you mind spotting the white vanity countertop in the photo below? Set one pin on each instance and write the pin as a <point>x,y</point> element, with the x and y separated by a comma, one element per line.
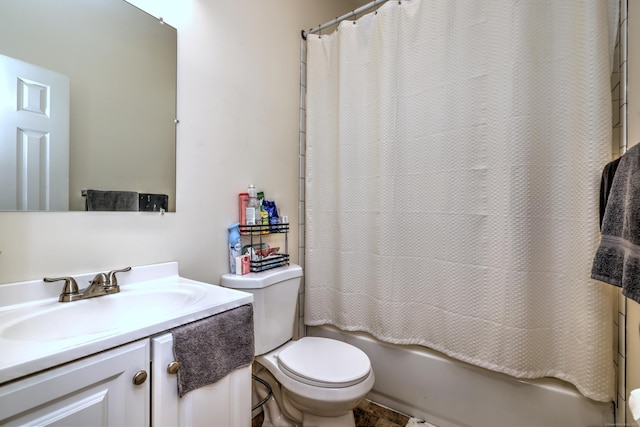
<point>38,332</point>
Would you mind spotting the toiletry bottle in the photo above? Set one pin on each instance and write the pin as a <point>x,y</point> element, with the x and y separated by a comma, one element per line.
<point>235,246</point>
<point>264,220</point>
<point>253,209</point>
<point>243,202</point>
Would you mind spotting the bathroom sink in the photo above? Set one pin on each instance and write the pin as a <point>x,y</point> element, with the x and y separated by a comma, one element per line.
<point>101,315</point>
<point>38,332</point>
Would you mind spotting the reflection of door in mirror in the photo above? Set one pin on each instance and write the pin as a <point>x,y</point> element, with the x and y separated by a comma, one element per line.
<point>34,137</point>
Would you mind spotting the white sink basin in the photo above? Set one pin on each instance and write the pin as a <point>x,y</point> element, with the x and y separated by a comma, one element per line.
<point>106,314</point>
<point>38,332</point>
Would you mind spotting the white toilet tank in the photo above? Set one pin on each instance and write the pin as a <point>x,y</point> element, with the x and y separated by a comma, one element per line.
<point>275,302</point>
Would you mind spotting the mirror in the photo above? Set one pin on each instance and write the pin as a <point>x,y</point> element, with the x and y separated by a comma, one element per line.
<point>121,69</point>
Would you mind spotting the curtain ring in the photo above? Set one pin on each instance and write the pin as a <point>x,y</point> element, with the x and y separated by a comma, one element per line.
<point>355,16</point>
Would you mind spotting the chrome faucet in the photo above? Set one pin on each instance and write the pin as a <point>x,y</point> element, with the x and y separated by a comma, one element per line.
<point>97,287</point>
<point>69,290</point>
<point>112,286</point>
<point>102,284</point>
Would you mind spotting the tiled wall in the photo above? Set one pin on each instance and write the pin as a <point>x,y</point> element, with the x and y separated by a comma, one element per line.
<point>619,86</point>
<point>302,138</point>
<point>619,144</point>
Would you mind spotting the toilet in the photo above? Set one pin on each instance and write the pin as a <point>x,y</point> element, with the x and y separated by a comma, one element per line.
<point>315,381</point>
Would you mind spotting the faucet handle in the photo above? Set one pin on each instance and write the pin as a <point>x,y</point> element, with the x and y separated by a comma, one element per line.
<point>70,289</point>
<point>100,279</point>
<point>112,276</point>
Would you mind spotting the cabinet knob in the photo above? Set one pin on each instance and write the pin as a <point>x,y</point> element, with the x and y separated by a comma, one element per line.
<point>140,377</point>
<point>173,367</point>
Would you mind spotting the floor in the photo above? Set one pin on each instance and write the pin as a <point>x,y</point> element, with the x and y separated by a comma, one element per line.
<point>370,414</point>
<point>367,414</point>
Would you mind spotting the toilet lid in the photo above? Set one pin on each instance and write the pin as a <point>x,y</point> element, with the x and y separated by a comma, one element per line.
<point>324,362</point>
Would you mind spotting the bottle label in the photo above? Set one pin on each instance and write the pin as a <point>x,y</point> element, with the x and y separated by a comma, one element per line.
<point>251,215</point>
<point>243,201</point>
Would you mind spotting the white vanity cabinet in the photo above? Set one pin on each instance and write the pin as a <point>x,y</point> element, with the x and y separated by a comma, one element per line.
<point>224,403</point>
<point>95,391</point>
<point>99,390</point>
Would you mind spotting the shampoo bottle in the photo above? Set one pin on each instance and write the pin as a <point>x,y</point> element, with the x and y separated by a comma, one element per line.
<point>235,246</point>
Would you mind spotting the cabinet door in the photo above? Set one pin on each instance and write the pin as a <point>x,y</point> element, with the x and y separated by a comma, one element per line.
<point>95,391</point>
<point>224,403</point>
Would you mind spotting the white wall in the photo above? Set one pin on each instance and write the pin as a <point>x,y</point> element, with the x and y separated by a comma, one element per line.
<point>238,92</point>
<point>241,60</point>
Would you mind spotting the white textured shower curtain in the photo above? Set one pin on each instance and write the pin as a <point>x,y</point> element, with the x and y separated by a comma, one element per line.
<point>454,150</point>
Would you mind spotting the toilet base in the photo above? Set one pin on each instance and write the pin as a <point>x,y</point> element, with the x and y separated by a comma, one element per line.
<point>274,418</point>
<point>280,412</point>
<point>346,420</point>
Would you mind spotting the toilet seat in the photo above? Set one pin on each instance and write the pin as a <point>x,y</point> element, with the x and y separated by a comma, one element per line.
<point>324,362</point>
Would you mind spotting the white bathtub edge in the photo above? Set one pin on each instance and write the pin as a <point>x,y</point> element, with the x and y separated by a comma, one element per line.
<point>448,393</point>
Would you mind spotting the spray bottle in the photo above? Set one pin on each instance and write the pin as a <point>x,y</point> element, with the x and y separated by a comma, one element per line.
<point>235,246</point>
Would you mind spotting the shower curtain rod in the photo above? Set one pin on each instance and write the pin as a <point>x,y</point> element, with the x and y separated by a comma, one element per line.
<point>354,12</point>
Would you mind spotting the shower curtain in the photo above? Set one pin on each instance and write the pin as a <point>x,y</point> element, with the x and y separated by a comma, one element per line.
<point>454,150</point>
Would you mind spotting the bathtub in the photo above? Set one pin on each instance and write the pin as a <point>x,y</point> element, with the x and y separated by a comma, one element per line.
<point>449,393</point>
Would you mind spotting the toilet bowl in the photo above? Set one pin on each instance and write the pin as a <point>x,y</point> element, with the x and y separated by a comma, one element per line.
<point>320,376</point>
<point>315,381</point>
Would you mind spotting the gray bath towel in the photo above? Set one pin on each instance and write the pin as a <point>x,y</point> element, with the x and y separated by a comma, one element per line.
<point>209,349</point>
<point>99,200</point>
<point>608,173</point>
<point>617,260</point>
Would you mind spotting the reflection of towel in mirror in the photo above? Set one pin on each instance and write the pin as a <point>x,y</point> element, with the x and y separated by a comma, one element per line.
<point>98,200</point>
<point>154,202</point>
<point>617,259</point>
<point>209,349</point>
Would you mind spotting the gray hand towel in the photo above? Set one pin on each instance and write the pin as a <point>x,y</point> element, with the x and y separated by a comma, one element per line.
<point>617,259</point>
<point>99,200</point>
<point>209,349</point>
